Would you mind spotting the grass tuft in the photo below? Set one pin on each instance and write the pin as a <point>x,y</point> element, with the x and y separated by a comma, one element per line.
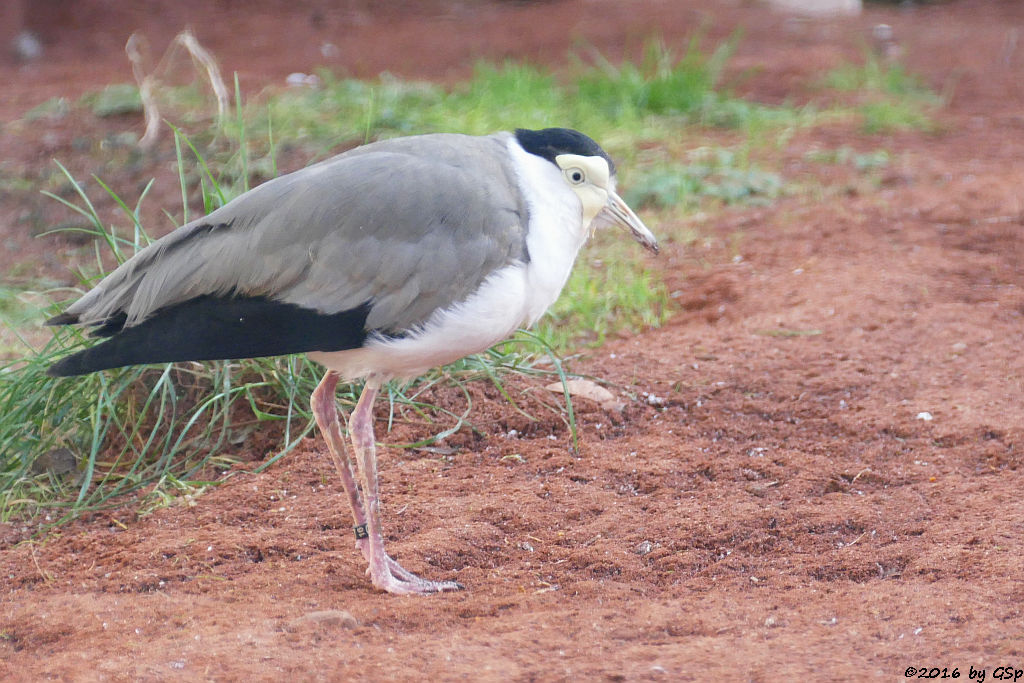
<point>890,97</point>
<point>719,175</point>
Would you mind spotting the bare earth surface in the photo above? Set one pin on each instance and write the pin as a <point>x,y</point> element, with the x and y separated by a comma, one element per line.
<point>777,511</point>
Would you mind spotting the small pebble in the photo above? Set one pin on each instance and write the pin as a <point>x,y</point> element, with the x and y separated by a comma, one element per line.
<point>300,80</point>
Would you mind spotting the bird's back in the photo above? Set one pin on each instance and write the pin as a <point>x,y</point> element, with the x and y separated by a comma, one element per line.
<point>372,241</point>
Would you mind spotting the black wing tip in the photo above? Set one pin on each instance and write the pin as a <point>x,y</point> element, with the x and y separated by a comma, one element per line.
<point>68,367</point>
<point>55,371</point>
<point>215,328</point>
<point>62,319</point>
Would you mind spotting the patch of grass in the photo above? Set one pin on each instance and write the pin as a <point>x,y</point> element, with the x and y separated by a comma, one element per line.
<point>662,84</point>
<point>130,427</point>
<point>18,304</point>
<point>21,307</point>
<point>619,105</point>
<point>890,97</point>
<point>876,75</point>
<point>115,100</point>
<point>720,175</point>
<point>845,155</point>
<point>53,108</point>
<point>884,116</point>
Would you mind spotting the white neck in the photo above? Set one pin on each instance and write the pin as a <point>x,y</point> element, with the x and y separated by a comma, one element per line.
<point>556,230</point>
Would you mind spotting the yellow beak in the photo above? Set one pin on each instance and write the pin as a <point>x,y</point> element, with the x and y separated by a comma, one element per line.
<point>623,216</point>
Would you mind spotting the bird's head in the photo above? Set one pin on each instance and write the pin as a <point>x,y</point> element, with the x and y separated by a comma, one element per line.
<point>590,173</point>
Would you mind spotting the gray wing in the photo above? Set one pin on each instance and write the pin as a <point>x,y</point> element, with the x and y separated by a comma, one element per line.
<point>405,226</point>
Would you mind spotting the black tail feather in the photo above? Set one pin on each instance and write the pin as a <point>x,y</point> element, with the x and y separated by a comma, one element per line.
<point>216,328</point>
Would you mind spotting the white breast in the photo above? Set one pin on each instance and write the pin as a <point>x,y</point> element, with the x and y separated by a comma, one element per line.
<point>510,297</point>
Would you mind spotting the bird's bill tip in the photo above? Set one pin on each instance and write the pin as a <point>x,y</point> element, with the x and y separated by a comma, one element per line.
<point>624,217</point>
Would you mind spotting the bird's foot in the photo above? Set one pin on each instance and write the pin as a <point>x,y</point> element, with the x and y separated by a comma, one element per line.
<point>404,576</point>
<point>414,585</point>
<point>394,578</point>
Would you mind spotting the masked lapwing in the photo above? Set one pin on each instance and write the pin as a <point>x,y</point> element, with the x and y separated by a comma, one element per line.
<point>380,263</point>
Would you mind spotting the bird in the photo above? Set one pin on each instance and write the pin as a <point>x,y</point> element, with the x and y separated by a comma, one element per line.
<point>380,263</point>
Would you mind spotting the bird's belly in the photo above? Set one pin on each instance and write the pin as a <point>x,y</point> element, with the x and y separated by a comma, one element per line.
<point>502,304</point>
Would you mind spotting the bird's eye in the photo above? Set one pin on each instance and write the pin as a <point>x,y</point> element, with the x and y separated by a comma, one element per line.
<point>575,175</point>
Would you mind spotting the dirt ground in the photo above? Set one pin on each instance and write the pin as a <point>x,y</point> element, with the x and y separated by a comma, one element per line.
<point>770,505</point>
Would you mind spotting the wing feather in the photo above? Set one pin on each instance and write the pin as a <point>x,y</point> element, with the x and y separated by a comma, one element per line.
<point>405,226</point>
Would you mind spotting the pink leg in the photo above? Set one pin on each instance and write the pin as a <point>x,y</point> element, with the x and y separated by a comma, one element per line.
<point>325,411</point>
<point>386,574</point>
